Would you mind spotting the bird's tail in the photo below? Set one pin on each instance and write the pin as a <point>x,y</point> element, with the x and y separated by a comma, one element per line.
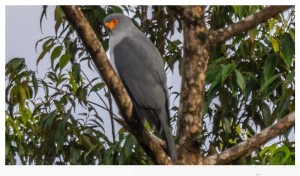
<point>164,119</point>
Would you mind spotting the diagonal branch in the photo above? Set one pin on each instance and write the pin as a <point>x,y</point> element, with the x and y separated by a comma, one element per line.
<point>251,144</point>
<point>248,23</point>
<point>151,145</point>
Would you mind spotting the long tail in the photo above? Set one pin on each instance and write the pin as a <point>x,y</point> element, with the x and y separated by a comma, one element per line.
<point>164,119</point>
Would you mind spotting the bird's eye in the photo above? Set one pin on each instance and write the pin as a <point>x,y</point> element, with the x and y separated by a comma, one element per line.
<point>115,21</point>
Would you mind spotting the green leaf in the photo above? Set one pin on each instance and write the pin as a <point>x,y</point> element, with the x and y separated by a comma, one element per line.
<point>287,50</point>
<point>28,90</point>
<point>271,23</point>
<point>284,149</point>
<point>46,121</point>
<point>240,80</point>
<point>13,95</point>
<point>44,14</point>
<point>61,78</point>
<point>21,95</point>
<point>98,86</point>
<point>266,151</point>
<point>74,155</point>
<point>64,59</point>
<point>81,93</point>
<point>269,66</point>
<point>58,18</point>
<point>48,42</point>
<point>40,40</point>
<point>269,81</point>
<point>292,33</point>
<point>35,84</point>
<point>127,149</point>
<point>214,71</point>
<point>266,113</point>
<point>100,13</point>
<point>285,99</point>
<point>73,82</point>
<point>226,71</point>
<point>240,10</point>
<point>60,131</point>
<point>59,105</point>
<point>226,126</point>
<point>55,53</point>
<point>44,52</point>
<point>290,77</point>
<point>26,115</point>
<point>14,66</point>
<point>275,44</point>
<point>76,72</point>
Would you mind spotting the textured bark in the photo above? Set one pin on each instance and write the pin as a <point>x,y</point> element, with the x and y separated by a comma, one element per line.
<point>253,143</point>
<point>151,145</point>
<point>143,18</point>
<point>248,23</point>
<point>193,82</point>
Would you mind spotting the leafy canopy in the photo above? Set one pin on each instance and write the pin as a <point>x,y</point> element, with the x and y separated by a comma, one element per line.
<point>249,86</point>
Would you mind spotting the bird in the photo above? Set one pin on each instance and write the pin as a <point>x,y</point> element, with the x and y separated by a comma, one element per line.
<point>141,69</point>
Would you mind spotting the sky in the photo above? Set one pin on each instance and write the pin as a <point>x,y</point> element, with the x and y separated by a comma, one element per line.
<point>23,30</point>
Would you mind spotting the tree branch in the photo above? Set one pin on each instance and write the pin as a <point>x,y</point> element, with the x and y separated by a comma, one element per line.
<point>251,144</point>
<point>143,18</point>
<point>85,32</point>
<point>248,23</point>
<point>192,87</point>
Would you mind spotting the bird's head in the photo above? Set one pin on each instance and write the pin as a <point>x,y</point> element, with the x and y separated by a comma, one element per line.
<point>115,23</point>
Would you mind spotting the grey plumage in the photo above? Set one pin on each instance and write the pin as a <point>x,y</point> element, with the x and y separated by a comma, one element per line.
<point>141,69</point>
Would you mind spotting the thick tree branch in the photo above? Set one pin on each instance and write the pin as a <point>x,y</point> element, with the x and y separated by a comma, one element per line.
<point>150,144</point>
<point>248,23</point>
<point>253,143</point>
<point>192,87</point>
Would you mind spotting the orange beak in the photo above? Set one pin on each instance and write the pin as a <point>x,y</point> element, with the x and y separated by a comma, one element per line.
<point>112,24</point>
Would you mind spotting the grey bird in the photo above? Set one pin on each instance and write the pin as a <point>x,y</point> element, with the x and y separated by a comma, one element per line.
<point>141,69</point>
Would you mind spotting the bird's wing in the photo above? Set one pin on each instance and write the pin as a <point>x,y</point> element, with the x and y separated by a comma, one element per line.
<point>141,69</point>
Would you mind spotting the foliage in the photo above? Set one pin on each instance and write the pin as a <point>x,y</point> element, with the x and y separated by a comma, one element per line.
<point>278,154</point>
<point>249,86</point>
<point>250,79</point>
